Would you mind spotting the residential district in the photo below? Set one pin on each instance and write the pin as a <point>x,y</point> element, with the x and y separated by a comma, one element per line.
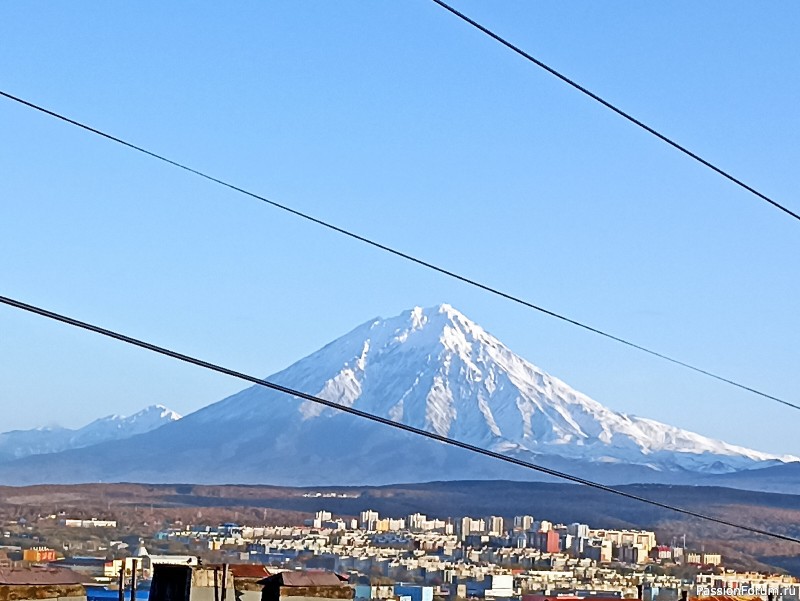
<point>411,558</point>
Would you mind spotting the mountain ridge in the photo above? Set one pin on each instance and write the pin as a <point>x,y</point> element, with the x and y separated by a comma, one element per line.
<point>17,444</point>
<point>568,423</point>
<point>431,368</point>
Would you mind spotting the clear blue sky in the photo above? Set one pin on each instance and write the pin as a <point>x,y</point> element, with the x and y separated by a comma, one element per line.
<point>398,121</point>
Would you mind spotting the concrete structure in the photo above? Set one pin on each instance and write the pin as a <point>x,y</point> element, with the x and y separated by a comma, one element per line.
<point>471,526</point>
<point>495,525</point>
<point>598,550</point>
<point>542,526</point>
<point>365,592</point>
<point>410,592</point>
<point>502,587</point>
<point>416,522</point>
<point>23,584</point>
<point>39,555</point>
<point>368,519</point>
<point>247,579</point>
<point>643,538</point>
<point>95,567</point>
<point>186,583</point>
<point>633,554</point>
<point>91,523</point>
<point>578,530</point>
<point>304,586</point>
<point>747,583</point>
<point>546,541</point>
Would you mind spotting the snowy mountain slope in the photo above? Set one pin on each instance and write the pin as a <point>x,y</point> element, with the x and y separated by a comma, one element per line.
<point>21,443</point>
<point>436,369</point>
<point>430,368</point>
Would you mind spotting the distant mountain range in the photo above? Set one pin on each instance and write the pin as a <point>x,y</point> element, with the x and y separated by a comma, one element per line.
<point>22,443</point>
<point>430,368</point>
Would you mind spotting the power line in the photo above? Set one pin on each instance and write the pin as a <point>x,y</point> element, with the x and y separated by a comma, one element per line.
<point>399,253</point>
<point>375,418</point>
<point>616,109</point>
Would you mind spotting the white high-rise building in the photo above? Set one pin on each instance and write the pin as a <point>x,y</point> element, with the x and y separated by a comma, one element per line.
<point>369,519</point>
<point>417,522</point>
<point>495,525</point>
<point>542,526</point>
<point>321,517</point>
<point>472,526</point>
<point>644,538</point>
<point>578,530</point>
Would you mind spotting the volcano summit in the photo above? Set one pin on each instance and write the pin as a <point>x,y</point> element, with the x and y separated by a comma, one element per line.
<point>430,368</point>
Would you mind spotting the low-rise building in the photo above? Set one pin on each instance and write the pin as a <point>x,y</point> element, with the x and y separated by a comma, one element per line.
<point>90,523</point>
<point>39,555</point>
<point>23,584</point>
<point>305,584</point>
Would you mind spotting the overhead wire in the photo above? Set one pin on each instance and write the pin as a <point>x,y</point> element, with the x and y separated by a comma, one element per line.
<point>398,253</point>
<point>615,109</point>
<point>376,418</point>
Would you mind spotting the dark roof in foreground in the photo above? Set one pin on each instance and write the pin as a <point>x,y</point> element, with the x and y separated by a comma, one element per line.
<point>248,570</point>
<point>82,561</point>
<point>243,570</point>
<point>29,576</point>
<point>305,578</point>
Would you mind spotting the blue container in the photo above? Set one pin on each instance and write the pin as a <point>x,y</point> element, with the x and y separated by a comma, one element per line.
<point>103,593</point>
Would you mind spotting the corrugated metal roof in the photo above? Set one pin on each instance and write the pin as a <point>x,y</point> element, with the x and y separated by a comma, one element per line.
<point>26,576</point>
<point>307,578</point>
<point>82,561</point>
<point>248,570</point>
<point>244,570</point>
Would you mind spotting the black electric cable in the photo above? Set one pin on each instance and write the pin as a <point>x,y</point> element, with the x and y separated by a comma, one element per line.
<point>401,254</point>
<point>376,418</point>
<point>614,108</point>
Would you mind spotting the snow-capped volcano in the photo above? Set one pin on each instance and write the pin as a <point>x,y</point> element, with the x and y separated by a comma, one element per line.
<point>21,443</point>
<point>429,368</point>
<point>435,369</point>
